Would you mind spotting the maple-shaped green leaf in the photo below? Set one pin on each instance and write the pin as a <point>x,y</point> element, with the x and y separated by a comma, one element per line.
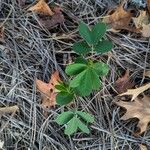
<point>81,47</point>
<point>103,46</point>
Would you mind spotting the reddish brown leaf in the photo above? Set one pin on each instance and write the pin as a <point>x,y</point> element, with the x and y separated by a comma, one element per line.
<point>48,90</point>
<point>50,23</point>
<point>123,83</point>
<point>42,8</point>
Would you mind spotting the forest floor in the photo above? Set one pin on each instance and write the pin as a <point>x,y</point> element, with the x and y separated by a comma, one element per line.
<point>30,51</point>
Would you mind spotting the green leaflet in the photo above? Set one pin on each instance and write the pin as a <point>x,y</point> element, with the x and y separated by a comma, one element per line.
<point>85,116</point>
<point>85,32</point>
<point>74,69</point>
<point>98,32</point>
<point>83,127</point>
<point>64,98</point>
<point>65,117</point>
<point>81,48</point>
<point>72,126</point>
<point>101,68</point>
<point>103,46</point>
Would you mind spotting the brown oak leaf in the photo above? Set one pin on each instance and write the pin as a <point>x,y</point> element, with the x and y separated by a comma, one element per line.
<point>139,108</point>
<point>42,8</point>
<point>142,23</point>
<point>123,83</point>
<point>137,91</point>
<point>143,147</point>
<point>48,90</point>
<point>119,19</point>
<point>147,73</point>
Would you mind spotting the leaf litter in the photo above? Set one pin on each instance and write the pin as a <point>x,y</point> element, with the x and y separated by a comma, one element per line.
<point>36,53</point>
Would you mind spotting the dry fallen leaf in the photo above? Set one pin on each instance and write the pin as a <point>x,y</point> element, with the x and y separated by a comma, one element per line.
<point>137,91</point>
<point>142,22</point>
<point>42,8</point>
<point>8,110</point>
<point>123,83</point>
<point>148,5</point>
<point>50,23</point>
<point>143,147</point>
<point>120,19</point>
<point>48,90</point>
<point>147,73</point>
<point>1,144</point>
<point>139,108</point>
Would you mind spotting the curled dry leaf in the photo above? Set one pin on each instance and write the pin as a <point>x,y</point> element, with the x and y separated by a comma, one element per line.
<point>1,144</point>
<point>120,19</point>
<point>137,91</point>
<point>143,147</point>
<point>42,8</point>
<point>147,73</point>
<point>139,108</point>
<point>142,22</point>
<point>8,110</point>
<point>48,90</point>
<point>123,83</point>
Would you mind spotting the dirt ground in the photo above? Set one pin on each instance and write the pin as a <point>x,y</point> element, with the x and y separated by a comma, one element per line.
<point>30,51</point>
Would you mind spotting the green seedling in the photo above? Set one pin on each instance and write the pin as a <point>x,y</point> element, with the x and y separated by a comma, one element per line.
<point>85,77</point>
